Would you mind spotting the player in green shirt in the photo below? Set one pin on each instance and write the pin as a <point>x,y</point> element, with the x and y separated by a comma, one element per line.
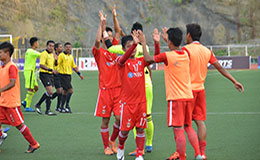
<point>31,84</point>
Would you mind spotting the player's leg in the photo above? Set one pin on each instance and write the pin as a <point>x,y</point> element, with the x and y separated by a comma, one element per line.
<point>58,88</point>
<point>49,90</point>
<point>116,108</point>
<point>141,125</point>
<point>63,100</point>
<point>150,127</point>
<point>30,84</point>
<point>59,95</point>
<point>192,135</point>
<point>15,117</point>
<point>104,109</point>
<point>24,130</point>
<point>68,96</point>
<point>140,140</point>
<point>175,119</point>
<point>199,116</point>
<point>104,130</point>
<point>69,91</point>
<point>115,133</point>
<point>202,135</point>
<point>127,123</point>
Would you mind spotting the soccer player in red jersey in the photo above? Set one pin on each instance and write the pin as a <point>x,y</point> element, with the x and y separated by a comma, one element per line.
<point>10,112</point>
<point>134,108</point>
<point>178,89</point>
<point>109,91</point>
<point>200,56</point>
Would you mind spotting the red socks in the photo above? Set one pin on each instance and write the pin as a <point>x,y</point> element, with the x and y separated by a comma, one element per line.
<point>140,140</point>
<point>202,147</point>
<point>122,139</point>
<point>180,142</point>
<point>27,135</point>
<point>105,136</point>
<point>115,132</point>
<point>193,138</point>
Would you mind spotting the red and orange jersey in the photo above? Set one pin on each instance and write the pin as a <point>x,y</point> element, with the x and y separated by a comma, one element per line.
<point>108,70</point>
<point>200,56</point>
<point>177,75</point>
<point>10,98</point>
<point>133,82</point>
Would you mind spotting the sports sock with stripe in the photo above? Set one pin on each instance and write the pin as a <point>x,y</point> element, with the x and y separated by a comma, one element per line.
<point>27,135</point>
<point>122,139</point>
<point>115,132</point>
<point>105,136</point>
<point>139,140</point>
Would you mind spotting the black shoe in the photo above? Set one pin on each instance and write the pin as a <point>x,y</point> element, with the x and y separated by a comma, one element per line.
<point>62,110</point>
<point>58,109</point>
<point>38,109</point>
<point>68,110</point>
<point>49,113</point>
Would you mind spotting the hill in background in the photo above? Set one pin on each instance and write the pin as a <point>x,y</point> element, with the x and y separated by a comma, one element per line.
<point>222,21</point>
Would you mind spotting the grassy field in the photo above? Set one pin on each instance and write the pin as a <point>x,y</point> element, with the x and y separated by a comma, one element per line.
<point>232,121</point>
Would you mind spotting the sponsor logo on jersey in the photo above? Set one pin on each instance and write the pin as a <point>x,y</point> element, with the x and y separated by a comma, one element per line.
<point>130,75</point>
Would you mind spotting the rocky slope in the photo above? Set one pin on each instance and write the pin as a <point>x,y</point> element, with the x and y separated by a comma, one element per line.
<point>77,21</point>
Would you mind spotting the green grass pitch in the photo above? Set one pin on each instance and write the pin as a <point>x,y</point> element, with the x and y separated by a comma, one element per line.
<point>232,122</point>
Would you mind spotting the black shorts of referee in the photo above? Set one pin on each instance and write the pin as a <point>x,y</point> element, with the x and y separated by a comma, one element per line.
<point>47,79</point>
<point>57,81</point>
<point>65,80</point>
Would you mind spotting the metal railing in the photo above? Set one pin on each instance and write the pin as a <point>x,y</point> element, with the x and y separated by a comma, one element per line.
<point>218,50</point>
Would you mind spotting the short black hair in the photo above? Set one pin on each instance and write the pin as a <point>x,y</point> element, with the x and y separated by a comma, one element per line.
<point>67,43</point>
<point>33,40</point>
<point>50,41</point>
<point>194,30</point>
<point>137,26</point>
<point>175,36</point>
<point>109,29</point>
<point>7,47</point>
<point>56,45</point>
<point>125,39</point>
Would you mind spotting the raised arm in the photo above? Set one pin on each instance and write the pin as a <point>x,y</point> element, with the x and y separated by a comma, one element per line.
<point>116,24</point>
<point>142,40</point>
<point>99,32</point>
<point>156,39</point>
<point>226,74</point>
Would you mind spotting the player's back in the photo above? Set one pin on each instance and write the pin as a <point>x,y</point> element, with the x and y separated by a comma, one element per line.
<point>177,76</point>
<point>200,56</point>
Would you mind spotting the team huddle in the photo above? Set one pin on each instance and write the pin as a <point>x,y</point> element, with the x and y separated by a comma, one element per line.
<point>125,86</point>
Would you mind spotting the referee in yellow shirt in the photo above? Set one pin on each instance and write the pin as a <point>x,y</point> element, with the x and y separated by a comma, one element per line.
<point>66,64</point>
<point>46,76</point>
